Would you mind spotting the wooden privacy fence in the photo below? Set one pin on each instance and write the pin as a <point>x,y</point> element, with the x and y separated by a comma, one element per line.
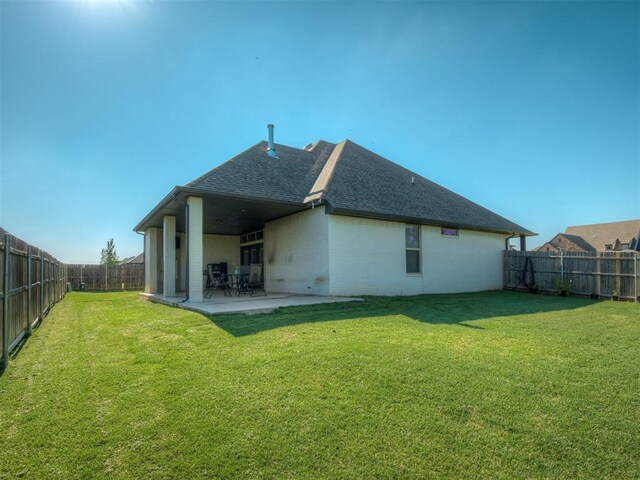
<point>102,278</point>
<point>602,273</point>
<point>32,281</point>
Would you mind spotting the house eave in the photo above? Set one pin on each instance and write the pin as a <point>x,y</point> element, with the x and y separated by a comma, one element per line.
<point>425,221</point>
<point>139,228</point>
<point>180,194</point>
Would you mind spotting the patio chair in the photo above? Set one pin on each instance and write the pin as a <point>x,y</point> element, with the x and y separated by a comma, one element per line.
<point>251,281</point>
<point>256,282</point>
<point>216,280</point>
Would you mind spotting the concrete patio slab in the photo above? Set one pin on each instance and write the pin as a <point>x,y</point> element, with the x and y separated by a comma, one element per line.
<point>245,304</point>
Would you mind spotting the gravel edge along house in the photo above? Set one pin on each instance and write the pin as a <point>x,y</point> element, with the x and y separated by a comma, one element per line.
<point>326,219</point>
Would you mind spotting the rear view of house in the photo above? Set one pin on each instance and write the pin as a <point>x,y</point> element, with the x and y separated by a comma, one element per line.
<point>326,219</point>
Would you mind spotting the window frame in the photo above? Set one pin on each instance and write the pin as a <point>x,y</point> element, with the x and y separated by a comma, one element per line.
<point>417,249</point>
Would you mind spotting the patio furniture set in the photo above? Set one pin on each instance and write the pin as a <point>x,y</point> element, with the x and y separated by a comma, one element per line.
<point>247,279</point>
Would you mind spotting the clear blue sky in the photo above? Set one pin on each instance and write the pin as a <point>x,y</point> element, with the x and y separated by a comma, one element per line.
<point>530,109</point>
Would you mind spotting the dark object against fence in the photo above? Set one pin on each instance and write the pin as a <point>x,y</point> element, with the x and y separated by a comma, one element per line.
<point>31,283</point>
<point>100,278</point>
<point>601,274</point>
<point>527,271</point>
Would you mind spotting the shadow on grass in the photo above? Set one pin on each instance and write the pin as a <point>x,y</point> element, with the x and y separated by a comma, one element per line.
<point>450,309</point>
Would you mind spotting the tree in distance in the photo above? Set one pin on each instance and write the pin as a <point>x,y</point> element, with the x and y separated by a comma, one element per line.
<point>108,256</point>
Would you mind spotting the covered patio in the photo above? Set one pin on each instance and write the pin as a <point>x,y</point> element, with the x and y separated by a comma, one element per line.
<point>191,228</point>
<point>220,304</point>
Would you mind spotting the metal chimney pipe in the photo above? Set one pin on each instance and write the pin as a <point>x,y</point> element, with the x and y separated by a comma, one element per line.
<point>271,151</point>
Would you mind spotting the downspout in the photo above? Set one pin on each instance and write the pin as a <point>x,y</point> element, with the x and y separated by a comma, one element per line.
<point>506,241</point>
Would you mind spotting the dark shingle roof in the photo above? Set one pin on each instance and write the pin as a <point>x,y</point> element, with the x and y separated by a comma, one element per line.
<point>366,182</point>
<point>253,173</point>
<point>350,179</point>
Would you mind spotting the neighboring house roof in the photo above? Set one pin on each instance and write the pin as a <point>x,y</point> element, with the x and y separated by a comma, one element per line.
<point>137,259</point>
<point>567,243</point>
<point>346,177</point>
<point>600,234</point>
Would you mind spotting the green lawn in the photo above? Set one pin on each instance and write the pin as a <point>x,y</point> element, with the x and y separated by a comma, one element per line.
<point>490,385</point>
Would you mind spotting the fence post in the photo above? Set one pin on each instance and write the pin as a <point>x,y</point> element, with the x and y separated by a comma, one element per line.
<point>50,290</point>
<point>41,285</point>
<point>598,279</point>
<point>635,278</point>
<point>617,284</point>
<point>5,302</point>
<point>561,267</point>
<point>106,277</point>
<point>29,282</point>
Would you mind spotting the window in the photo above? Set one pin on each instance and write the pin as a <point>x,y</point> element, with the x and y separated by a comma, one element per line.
<point>449,232</point>
<point>412,246</point>
<point>607,246</point>
<point>624,246</point>
<point>251,237</point>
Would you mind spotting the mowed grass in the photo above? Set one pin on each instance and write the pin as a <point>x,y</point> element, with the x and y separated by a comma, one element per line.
<point>489,385</point>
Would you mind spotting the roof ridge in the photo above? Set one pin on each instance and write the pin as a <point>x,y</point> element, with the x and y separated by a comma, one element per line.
<point>321,184</point>
<point>635,220</point>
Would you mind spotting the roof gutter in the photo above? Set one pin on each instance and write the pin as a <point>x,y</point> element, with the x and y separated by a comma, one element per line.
<point>170,196</point>
<point>424,221</point>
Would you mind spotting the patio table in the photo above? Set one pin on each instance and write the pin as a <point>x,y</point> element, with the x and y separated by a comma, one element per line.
<point>234,280</point>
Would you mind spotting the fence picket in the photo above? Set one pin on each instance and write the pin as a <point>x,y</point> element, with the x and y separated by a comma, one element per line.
<point>103,278</point>
<point>23,293</point>
<point>602,273</point>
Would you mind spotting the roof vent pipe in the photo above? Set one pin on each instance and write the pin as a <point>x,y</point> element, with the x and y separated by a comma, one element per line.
<point>271,151</point>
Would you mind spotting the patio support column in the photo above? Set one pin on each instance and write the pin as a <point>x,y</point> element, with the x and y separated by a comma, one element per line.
<point>194,242</point>
<point>151,241</point>
<point>523,243</point>
<point>169,245</point>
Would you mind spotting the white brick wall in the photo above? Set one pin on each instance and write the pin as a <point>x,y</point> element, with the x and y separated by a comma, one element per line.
<point>296,255</point>
<point>222,248</point>
<point>368,257</point>
<point>469,263</point>
<point>314,253</point>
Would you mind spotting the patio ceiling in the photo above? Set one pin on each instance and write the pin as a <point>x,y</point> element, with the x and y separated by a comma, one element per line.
<point>223,214</point>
